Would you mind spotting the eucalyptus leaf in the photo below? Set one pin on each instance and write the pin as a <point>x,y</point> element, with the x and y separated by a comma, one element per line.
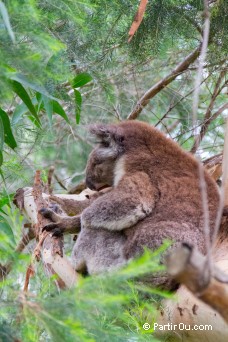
<point>8,134</point>
<point>23,80</point>
<point>1,134</point>
<point>48,106</point>
<point>58,109</point>
<point>5,229</point>
<point>22,93</point>
<point>6,20</point>
<point>78,105</point>
<point>81,79</point>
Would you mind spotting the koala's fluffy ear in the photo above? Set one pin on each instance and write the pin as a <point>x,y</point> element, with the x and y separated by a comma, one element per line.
<point>110,139</point>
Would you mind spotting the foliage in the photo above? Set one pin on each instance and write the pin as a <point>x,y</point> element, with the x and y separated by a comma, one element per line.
<point>65,64</point>
<point>106,307</point>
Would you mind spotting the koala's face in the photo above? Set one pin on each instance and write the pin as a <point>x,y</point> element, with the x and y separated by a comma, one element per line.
<point>99,171</point>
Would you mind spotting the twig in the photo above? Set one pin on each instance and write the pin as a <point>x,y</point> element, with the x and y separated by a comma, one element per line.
<point>5,269</point>
<point>206,221</point>
<point>202,58</point>
<point>149,94</point>
<point>175,104</point>
<point>59,182</point>
<point>206,124</point>
<point>49,180</point>
<point>29,273</point>
<point>216,92</point>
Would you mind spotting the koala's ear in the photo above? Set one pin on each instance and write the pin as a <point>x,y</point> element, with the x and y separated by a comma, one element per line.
<point>110,138</point>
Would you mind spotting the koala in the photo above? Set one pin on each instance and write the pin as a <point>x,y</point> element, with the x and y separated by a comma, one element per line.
<point>154,195</point>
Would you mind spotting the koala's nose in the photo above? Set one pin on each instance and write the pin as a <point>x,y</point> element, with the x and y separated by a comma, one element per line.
<point>90,184</point>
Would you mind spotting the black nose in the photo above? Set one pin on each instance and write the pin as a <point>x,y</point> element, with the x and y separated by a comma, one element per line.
<point>90,184</point>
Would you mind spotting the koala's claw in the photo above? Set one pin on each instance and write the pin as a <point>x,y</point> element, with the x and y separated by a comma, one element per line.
<point>50,227</point>
<point>54,228</point>
<point>58,232</point>
<point>49,214</point>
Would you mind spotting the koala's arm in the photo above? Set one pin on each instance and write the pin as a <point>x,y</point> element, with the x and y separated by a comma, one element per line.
<point>133,199</point>
<point>75,207</point>
<point>66,224</point>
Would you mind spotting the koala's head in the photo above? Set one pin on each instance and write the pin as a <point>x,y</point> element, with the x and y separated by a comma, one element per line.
<point>102,160</point>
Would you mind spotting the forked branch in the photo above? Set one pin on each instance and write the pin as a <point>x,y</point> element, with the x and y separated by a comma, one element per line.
<point>149,94</point>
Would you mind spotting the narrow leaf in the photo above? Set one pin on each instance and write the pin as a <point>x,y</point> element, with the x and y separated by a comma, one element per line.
<point>81,79</point>
<point>26,83</point>
<point>6,230</point>
<point>58,109</point>
<point>5,199</point>
<point>1,158</point>
<point>78,105</point>
<point>8,134</point>
<point>22,93</point>
<point>34,121</point>
<point>5,17</point>
<point>1,134</point>
<point>18,112</point>
<point>22,109</point>
<point>48,106</point>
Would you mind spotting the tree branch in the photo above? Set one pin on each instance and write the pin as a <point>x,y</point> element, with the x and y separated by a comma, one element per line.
<point>205,126</point>
<point>202,133</point>
<point>187,266</point>
<point>149,94</point>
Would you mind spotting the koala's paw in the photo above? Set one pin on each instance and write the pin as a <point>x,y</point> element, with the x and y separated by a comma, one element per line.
<point>50,214</point>
<point>56,227</point>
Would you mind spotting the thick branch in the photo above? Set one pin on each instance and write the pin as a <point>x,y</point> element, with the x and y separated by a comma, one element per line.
<point>187,266</point>
<point>214,166</point>
<point>163,83</point>
<point>30,201</point>
<point>225,167</point>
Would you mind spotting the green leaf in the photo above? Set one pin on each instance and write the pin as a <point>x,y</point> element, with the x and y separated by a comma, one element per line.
<point>34,121</point>
<point>18,112</point>
<point>6,229</point>
<point>23,80</point>
<point>22,109</point>
<point>22,93</point>
<point>81,79</point>
<point>8,134</point>
<point>48,106</point>
<point>5,200</point>
<point>1,134</point>
<point>1,158</point>
<point>5,17</point>
<point>78,105</point>
<point>58,109</point>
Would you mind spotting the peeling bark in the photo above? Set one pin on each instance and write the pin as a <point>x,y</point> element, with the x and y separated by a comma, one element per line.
<point>30,201</point>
